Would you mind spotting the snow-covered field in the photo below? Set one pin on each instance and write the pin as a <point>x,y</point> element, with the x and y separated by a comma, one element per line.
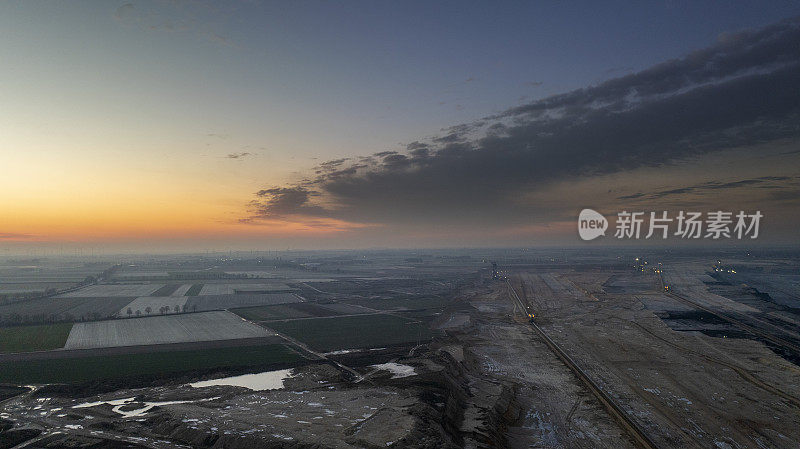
<point>268,380</point>
<point>398,370</point>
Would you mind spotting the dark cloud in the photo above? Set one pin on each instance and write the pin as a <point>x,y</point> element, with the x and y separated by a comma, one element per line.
<point>764,182</point>
<point>744,90</point>
<point>279,202</point>
<point>332,165</point>
<point>618,70</point>
<point>125,12</point>
<point>238,155</point>
<point>383,154</point>
<point>449,138</point>
<point>420,153</point>
<point>788,195</point>
<point>172,17</point>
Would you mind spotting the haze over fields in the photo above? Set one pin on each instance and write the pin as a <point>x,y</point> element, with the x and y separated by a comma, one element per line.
<point>193,126</point>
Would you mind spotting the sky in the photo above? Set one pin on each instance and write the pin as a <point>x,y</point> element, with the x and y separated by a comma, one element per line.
<point>271,125</point>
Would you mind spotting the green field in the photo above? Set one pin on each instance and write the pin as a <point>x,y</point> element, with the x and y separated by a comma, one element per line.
<point>265,313</point>
<point>83,369</point>
<point>166,290</point>
<point>284,311</point>
<point>408,304</point>
<point>33,338</point>
<point>194,290</point>
<point>352,332</point>
<point>48,310</point>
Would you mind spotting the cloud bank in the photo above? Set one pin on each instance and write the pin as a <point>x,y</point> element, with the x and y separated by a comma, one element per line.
<point>742,91</point>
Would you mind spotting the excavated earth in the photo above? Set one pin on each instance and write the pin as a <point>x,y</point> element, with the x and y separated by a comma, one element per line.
<point>483,385</point>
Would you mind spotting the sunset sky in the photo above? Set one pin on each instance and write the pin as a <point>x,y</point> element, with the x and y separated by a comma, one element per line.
<point>274,125</point>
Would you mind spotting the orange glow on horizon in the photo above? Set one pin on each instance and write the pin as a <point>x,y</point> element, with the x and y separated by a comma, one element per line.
<point>158,227</point>
<point>153,215</point>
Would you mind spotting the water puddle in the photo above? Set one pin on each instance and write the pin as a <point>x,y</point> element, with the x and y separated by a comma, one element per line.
<point>398,370</point>
<point>146,408</point>
<point>112,402</point>
<point>120,404</point>
<point>269,380</point>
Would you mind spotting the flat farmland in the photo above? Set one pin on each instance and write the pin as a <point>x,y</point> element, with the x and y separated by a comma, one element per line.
<point>45,271</point>
<point>141,275</point>
<point>342,308</point>
<point>316,309</point>
<point>404,304</point>
<point>354,332</point>
<point>298,310</point>
<point>31,287</point>
<point>266,313</point>
<point>96,367</point>
<point>230,289</point>
<point>33,338</point>
<point>255,273</point>
<point>181,291</point>
<point>109,290</point>
<point>93,308</point>
<point>207,326</point>
<point>155,303</point>
<point>166,290</point>
<point>194,290</point>
<point>67,309</point>
<point>219,302</point>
